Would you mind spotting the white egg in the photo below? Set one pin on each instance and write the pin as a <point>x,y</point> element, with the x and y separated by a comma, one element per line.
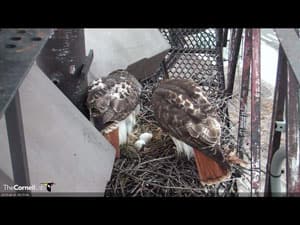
<point>146,137</point>
<point>139,144</point>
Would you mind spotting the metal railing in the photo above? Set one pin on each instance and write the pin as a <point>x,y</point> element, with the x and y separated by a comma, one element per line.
<point>286,112</point>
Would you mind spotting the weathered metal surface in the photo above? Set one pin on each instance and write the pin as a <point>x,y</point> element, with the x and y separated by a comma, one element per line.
<point>255,111</point>
<point>219,60</point>
<point>292,135</point>
<point>62,60</point>
<point>277,115</point>
<point>287,88</point>
<point>244,90</point>
<point>196,54</point>
<point>225,34</point>
<point>87,63</point>
<point>144,68</point>
<point>291,46</point>
<point>15,133</point>
<point>236,37</point>
<point>18,50</point>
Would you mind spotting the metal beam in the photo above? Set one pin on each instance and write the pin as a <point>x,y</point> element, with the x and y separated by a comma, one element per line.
<point>62,61</point>
<point>18,51</point>
<point>277,114</point>
<point>291,46</point>
<point>244,89</point>
<point>292,135</point>
<point>225,35</point>
<point>255,112</point>
<point>15,133</point>
<point>236,37</point>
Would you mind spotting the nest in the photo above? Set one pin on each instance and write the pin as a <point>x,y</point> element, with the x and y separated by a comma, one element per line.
<point>157,170</point>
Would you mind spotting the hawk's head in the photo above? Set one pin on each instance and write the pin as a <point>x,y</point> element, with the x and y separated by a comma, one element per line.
<point>113,103</point>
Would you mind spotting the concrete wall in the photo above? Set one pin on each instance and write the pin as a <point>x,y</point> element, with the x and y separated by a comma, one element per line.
<point>118,48</point>
<point>5,159</point>
<point>62,146</point>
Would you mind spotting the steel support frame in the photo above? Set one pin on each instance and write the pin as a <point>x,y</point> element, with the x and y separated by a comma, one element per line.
<point>287,93</point>
<point>16,140</point>
<point>255,113</point>
<point>17,59</point>
<point>244,91</point>
<point>235,42</point>
<point>277,115</point>
<point>64,61</point>
<point>292,135</point>
<point>251,62</point>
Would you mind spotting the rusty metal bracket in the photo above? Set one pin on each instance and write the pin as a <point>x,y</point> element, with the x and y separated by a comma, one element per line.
<point>280,126</point>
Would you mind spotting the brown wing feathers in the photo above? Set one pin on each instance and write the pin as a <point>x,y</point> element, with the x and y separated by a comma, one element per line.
<point>182,110</point>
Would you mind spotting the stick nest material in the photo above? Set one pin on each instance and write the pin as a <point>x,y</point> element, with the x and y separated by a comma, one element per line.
<point>157,170</point>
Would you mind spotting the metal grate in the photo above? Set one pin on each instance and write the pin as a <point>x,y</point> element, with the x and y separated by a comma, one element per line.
<point>195,55</point>
<point>200,39</point>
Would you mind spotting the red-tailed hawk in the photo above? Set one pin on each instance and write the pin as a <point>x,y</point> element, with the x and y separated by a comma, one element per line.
<point>183,111</point>
<point>113,103</point>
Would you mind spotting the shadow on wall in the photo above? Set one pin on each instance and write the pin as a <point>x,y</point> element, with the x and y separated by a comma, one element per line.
<point>121,48</point>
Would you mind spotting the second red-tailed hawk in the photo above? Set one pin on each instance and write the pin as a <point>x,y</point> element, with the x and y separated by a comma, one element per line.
<point>184,112</point>
<point>113,103</point>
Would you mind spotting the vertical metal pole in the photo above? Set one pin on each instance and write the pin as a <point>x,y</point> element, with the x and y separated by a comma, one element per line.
<point>255,112</point>
<point>165,70</point>
<point>292,135</point>
<point>277,115</point>
<point>236,38</point>
<point>244,89</point>
<point>15,133</point>
<point>219,58</point>
<point>225,35</point>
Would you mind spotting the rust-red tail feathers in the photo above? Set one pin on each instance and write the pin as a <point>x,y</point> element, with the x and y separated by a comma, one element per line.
<point>210,172</point>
